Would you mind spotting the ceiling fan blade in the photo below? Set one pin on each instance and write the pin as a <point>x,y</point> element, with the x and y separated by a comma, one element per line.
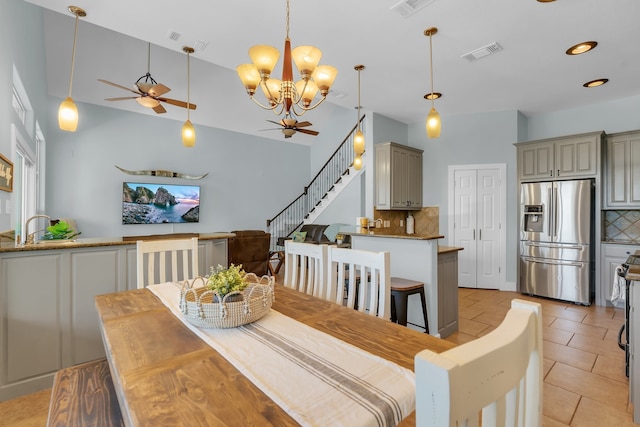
<point>308,131</point>
<point>121,98</point>
<point>158,90</point>
<point>275,123</point>
<point>177,103</point>
<point>159,109</point>
<point>262,130</point>
<point>117,85</point>
<point>302,124</point>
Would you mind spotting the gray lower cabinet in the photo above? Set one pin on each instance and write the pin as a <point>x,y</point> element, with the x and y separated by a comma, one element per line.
<point>48,319</point>
<point>613,254</point>
<point>447,293</point>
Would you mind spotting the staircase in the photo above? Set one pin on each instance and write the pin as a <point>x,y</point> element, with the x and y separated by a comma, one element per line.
<point>332,178</point>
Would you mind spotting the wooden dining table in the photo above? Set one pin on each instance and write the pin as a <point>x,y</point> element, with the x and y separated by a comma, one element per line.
<point>164,374</point>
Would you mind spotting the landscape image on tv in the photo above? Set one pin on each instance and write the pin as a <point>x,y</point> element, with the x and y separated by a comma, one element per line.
<point>145,203</point>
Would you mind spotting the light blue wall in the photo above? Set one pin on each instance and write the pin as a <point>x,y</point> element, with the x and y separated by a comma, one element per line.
<point>250,178</point>
<point>472,139</point>
<point>22,45</point>
<point>616,116</point>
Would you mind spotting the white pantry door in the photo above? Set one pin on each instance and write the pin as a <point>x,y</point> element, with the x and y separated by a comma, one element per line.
<point>478,218</point>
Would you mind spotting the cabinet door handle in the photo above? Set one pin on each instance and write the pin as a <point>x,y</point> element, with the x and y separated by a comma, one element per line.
<point>558,172</point>
<point>550,172</point>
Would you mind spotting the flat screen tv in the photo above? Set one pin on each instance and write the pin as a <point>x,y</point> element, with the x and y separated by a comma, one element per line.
<point>146,203</point>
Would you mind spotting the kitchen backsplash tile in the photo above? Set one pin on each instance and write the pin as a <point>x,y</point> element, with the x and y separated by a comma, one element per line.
<point>622,226</point>
<point>427,220</point>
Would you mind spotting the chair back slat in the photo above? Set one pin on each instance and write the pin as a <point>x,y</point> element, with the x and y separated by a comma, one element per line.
<point>153,254</point>
<point>499,374</point>
<point>360,279</point>
<point>304,267</point>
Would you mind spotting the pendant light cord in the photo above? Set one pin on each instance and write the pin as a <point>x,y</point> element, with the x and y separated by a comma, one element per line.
<point>287,19</point>
<point>188,85</point>
<point>73,54</point>
<point>358,121</point>
<point>431,68</point>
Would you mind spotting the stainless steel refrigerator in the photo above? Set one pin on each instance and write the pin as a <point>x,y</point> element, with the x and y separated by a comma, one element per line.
<point>556,240</point>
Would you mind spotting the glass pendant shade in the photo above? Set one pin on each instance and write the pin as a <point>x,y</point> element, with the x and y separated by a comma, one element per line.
<point>306,59</point>
<point>357,162</point>
<point>264,58</point>
<point>68,115</point>
<point>249,76</point>
<point>324,75</point>
<point>358,143</point>
<point>433,124</point>
<point>308,92</point>
<point>271,89</point>
<point>188,134</point>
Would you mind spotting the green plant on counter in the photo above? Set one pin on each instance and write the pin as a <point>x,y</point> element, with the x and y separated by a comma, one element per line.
<point>224,280</point>
<point>59,231</point>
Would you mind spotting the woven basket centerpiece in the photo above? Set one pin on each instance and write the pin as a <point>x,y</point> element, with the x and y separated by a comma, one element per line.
<point>206,309</point>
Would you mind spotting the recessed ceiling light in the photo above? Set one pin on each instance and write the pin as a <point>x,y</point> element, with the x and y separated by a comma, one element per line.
<point>545,1</point>
<point>595,83</point>
<point>581,48</point>
<point>434,95</point>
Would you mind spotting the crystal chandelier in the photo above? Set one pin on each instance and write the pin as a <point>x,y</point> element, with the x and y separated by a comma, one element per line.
<point>286,96</point>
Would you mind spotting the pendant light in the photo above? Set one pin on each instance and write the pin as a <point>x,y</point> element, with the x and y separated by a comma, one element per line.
<point>433,124</point>
<point>358,139</point>
<point>68,112</point>
<point>188,132</point>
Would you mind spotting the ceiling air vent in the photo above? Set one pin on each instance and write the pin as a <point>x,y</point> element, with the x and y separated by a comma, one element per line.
<point>173,35</point>
<point>407,8</point>
<point>483,51</point>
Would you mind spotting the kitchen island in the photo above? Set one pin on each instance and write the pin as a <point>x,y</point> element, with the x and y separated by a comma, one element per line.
<point>48,319</point>
<point>416,257</point>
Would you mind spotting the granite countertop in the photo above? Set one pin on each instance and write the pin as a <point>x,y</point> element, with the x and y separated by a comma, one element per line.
<point>103,241</point>
<point>634,268</point>
<point>621,242</point>
<point>380,233</point>
<point>447,249</point>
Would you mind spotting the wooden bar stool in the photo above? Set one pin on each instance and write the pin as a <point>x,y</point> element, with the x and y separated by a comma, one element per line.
<point>400,291</point>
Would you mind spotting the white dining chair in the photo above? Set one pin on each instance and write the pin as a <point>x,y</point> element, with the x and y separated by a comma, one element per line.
<point>497,377</point>
<point>156,258</point>
<point>360,279</point>
<point>305,267</point>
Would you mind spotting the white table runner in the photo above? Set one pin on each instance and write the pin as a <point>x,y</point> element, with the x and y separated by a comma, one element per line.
<point>317,379</point>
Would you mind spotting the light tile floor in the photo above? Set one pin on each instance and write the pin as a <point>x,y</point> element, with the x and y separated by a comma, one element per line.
<point>584,377</point>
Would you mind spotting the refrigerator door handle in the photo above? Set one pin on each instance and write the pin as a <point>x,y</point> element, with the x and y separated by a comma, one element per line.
<point>553,262</point>
<point>555,211</point>
<point>550,213</point>
<point>553,245</point>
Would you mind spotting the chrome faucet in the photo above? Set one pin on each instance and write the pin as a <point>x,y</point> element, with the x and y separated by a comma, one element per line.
<point>31,236</point>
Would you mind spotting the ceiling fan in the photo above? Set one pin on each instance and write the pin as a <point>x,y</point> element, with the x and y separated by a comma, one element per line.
<point>149,92</point>
<point>290,126</point>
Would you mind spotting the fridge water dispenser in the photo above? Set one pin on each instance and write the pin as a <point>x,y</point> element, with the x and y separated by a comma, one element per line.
<point>533,218</point>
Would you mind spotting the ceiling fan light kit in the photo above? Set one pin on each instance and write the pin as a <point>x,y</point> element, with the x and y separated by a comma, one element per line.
<point>149,92</point>
<point>68,112</point>
<point>285,96</point>
<point>434,124</point>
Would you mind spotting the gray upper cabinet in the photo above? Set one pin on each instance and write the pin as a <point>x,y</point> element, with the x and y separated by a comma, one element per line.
<point>559,158</point>
<point>398,177</point>
<point>623,171</point>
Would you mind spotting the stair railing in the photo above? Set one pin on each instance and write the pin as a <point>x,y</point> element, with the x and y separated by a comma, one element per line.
<point>293,215</point>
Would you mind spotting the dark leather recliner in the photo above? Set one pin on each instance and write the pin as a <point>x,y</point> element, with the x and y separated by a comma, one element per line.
<point>251,249</point>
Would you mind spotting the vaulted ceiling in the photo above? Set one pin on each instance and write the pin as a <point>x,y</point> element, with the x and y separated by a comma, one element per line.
<point>530,71</point>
